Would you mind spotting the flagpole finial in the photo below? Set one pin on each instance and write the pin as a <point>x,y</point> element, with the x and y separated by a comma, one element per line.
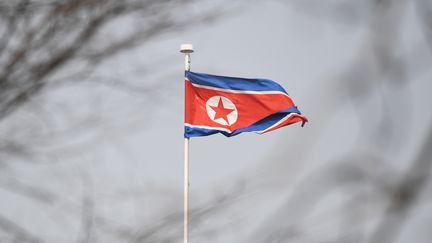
<point>186,48</point>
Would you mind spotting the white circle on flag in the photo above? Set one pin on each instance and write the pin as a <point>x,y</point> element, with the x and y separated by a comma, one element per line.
<point>221,110</point>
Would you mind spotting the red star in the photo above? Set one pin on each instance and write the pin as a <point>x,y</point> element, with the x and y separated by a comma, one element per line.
<point>221,111</point>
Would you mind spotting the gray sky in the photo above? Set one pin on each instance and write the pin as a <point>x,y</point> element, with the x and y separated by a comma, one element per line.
<point>139,145</point>
<point>304,54</point>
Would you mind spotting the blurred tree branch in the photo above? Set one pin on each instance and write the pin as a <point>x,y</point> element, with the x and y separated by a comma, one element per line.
<point>42,37</point>
<point>406,195</point>
<point>46,43</point>
<point>380,70</point>
<point>18,233</point>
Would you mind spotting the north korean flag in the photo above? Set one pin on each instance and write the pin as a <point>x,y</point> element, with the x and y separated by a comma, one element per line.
<point>227,105</point>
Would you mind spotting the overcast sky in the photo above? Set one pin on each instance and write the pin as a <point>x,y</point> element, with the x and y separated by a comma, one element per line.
<point>139,146</point>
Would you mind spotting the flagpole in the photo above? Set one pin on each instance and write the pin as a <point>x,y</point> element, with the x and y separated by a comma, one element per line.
<point>186,49</point>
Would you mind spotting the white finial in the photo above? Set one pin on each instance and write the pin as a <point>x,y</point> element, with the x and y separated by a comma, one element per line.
<point>186,48</point>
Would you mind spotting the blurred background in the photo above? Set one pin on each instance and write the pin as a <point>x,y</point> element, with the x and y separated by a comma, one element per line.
<point>91,113</point>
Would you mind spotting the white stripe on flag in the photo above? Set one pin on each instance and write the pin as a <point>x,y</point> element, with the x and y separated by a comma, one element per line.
<point>207,127</point>
<point>277,123</point>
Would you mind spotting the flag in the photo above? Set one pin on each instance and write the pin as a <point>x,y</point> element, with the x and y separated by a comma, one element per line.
<point>227,105</point>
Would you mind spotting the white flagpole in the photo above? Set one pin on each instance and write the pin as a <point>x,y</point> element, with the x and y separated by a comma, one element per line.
<point>187,49</point>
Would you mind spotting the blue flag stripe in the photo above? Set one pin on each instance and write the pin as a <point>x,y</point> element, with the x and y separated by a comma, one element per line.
<point>233,83</point>
<point>191,131</point>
